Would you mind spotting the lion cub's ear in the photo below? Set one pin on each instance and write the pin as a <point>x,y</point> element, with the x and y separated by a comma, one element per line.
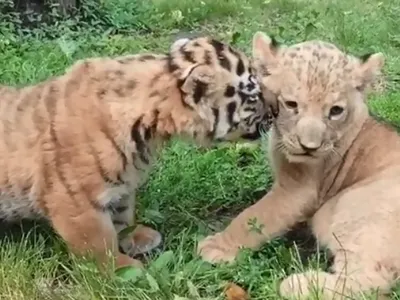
<point>265,51</point>
<point>370,69</point>
<point>197,82</point>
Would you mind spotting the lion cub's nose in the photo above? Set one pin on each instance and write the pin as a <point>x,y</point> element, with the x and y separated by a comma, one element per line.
<point>310,133</point>
<point>309,147</point>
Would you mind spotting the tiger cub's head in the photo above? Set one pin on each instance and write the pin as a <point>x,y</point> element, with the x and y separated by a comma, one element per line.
<point>218,83</point>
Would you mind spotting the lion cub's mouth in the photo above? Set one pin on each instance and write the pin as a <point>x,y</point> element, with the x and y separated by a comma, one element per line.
<point>301,153</point>
<point>304,154</point>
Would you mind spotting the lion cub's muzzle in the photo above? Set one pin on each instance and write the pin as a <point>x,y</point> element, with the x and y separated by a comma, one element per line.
<point>310,133</point>
<point>309,147</point>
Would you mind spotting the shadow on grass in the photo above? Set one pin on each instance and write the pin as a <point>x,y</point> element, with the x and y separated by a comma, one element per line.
<point>19,230</point>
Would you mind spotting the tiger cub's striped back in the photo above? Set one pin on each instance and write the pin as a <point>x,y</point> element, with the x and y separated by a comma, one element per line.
<point>74,149</point>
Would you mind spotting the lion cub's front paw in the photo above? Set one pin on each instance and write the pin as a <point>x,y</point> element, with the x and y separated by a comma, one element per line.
<point>301,285</point>
<point>214,250</point>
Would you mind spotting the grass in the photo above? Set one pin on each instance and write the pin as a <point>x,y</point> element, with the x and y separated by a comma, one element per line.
<point>191,192</point>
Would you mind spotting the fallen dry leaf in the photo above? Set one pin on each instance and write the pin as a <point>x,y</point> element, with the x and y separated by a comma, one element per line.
<point>235,292</point>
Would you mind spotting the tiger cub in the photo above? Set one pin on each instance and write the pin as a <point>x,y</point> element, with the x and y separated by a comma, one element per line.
<point>75,147</point>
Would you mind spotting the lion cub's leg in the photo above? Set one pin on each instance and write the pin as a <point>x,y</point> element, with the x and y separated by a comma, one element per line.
<point>351,275</point>
<point>86,229</point>
<point>143,239</point>
<point>321,222</point>
<point>359,227</point>
<point>271,216</point>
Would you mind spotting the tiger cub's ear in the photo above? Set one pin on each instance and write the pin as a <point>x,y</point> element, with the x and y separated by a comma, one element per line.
<point>178,44</point>
<point>197,82</point>
<point>265,49</point>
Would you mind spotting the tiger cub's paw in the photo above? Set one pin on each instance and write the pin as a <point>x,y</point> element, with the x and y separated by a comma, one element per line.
<point>145,239</point>
<point>123,260</point>
<point>142,240</point>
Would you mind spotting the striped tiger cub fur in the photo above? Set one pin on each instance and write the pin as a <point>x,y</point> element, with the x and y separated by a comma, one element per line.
<point>74,148</point>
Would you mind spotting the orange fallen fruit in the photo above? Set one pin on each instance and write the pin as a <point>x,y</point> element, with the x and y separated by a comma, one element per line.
<point>235,292</point>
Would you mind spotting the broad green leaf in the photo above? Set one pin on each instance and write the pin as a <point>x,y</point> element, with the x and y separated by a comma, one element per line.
<point>163,260</point>
<point>129,273</point>
<point>192,289</point>
<point>152,282</point>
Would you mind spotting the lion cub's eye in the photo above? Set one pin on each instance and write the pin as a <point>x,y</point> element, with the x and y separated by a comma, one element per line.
<point>335,111</point>
<point>291,104</point>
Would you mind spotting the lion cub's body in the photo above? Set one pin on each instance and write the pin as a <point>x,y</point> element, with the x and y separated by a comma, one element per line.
<point>355,216</point>
<point>334,165</point>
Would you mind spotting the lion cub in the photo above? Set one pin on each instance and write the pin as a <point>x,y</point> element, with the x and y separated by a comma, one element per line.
<point>334,165</point>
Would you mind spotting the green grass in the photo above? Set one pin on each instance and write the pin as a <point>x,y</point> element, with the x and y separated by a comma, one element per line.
<point>191,192</point>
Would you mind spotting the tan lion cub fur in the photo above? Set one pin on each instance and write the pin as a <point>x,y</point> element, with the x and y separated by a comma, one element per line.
<point>334,165</point>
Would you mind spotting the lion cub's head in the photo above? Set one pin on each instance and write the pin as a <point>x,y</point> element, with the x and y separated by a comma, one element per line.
<point>319,92</point>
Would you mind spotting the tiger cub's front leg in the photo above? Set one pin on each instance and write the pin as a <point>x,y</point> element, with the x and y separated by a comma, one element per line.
<point>85,228</point>
<point>143,239</point>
